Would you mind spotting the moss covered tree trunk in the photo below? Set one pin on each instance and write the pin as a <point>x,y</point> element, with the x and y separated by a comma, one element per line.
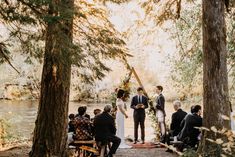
<point>50,134</point>
<point>215,77</point>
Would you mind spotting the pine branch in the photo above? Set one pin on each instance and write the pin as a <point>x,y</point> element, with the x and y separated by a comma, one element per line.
<point>33,8</point>
<point>2,47</point>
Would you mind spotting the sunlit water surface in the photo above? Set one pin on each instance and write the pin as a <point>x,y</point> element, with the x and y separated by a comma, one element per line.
<point>21,115</point>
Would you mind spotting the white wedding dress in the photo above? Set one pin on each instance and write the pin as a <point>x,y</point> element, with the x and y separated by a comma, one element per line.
<point>120,118</point>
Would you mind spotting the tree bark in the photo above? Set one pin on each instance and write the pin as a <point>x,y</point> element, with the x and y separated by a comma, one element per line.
<point>50,133</point>
<point>215,77</point>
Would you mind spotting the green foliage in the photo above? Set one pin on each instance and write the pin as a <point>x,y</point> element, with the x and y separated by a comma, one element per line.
<point>187,67</point>
<point>190,153</point>
<point>161,11</point>
<point>95,39</point>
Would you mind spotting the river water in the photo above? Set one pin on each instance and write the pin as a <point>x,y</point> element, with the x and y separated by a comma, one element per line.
<point>21,115</point>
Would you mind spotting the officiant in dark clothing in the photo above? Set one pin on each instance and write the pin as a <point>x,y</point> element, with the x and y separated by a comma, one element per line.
<point>105,130</point>
<point>139,103</point>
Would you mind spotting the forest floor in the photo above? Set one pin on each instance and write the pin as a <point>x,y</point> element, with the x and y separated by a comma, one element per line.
<point>23,150</point>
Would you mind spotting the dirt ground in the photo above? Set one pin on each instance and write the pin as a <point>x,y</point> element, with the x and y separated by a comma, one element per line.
<point>22,151</point>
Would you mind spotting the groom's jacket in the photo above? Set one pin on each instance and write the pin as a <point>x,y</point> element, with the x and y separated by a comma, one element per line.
<point>136,100</point>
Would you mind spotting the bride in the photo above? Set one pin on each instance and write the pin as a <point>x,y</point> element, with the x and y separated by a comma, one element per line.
<point>121,115</point>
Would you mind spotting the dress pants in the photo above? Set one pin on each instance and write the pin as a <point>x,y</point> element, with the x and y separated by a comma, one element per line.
<point>115,143</point>
<point>139,119</point>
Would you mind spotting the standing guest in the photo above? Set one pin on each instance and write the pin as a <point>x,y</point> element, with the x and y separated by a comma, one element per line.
<point>82,126</point>
<point>189,134</point>
<point>161,114</point>
<point>104,129</point>
<point>177,118</point>
<point>139,103</point>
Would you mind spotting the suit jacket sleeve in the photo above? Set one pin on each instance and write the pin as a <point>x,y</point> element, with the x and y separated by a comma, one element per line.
<point>146,103</point>
<point>173,122</point>
<point>183,122</point>
<point>133,103</point>
<point>161,103</point>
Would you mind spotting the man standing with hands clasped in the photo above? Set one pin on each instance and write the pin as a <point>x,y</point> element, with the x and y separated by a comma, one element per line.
<point>139,103</point>
<point>161,114</point>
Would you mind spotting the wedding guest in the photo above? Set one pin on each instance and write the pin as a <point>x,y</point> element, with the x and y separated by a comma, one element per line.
<point>71,122</point>
<point>189,134</point>
<point>85,114</point>
<point>82,126</point>
<point>96,112</point>
<point>105,130</point>
<point>177,118</point>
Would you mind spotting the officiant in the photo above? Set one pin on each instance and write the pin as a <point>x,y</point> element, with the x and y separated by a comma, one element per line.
<point>139,103</point>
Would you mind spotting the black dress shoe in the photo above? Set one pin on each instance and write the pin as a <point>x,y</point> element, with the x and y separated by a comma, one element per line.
<point>109,155</point>
<point>134,142</point>
<point>169,150</point>
<point>142,142</point>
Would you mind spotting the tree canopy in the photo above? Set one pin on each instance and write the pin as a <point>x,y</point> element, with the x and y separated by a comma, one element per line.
<point>95,38</point>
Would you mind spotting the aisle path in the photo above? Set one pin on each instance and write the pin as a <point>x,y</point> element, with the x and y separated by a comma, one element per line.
<point>154,152</point>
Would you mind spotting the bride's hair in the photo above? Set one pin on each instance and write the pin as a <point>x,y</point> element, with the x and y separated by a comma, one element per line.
<point>120,93</point>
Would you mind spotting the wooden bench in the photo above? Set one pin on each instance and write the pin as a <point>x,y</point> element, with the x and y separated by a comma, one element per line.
<point>84,147</point>
<point>87,148</point>
<point>176,142</point>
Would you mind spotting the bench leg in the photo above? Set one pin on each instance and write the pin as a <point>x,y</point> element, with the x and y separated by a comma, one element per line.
<point>102,151</point>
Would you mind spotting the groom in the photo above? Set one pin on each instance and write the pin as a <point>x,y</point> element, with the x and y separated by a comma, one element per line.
<point>139,103</point>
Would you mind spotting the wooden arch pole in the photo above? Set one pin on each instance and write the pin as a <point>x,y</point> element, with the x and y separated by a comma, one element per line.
<point>138,80</point>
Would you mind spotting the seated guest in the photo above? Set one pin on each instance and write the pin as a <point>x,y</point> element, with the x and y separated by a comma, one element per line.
<point>85,114</point>
<point>105,130</point>
<point>177,118</point>
<point>189,134</point>
<point>71,122</point>
<point>71,128</point>
<point>82,126</point>
<point>189,114</point>
<point>96,112</point>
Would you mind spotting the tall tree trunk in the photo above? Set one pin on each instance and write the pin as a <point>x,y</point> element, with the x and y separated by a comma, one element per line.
<point>50,134</point>
<point>215,77</point>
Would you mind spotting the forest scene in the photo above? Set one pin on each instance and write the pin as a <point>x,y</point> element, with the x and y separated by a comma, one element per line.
<point>117,78</point>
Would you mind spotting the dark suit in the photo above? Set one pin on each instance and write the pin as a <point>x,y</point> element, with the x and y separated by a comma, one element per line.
<point>139,115</point>
<point>189,134</point>
<point>105,130</point>
<point>176,120</point>
<point>160,103</point>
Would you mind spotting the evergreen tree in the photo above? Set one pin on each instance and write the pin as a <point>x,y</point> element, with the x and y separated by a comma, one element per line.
<point>62,34</point>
